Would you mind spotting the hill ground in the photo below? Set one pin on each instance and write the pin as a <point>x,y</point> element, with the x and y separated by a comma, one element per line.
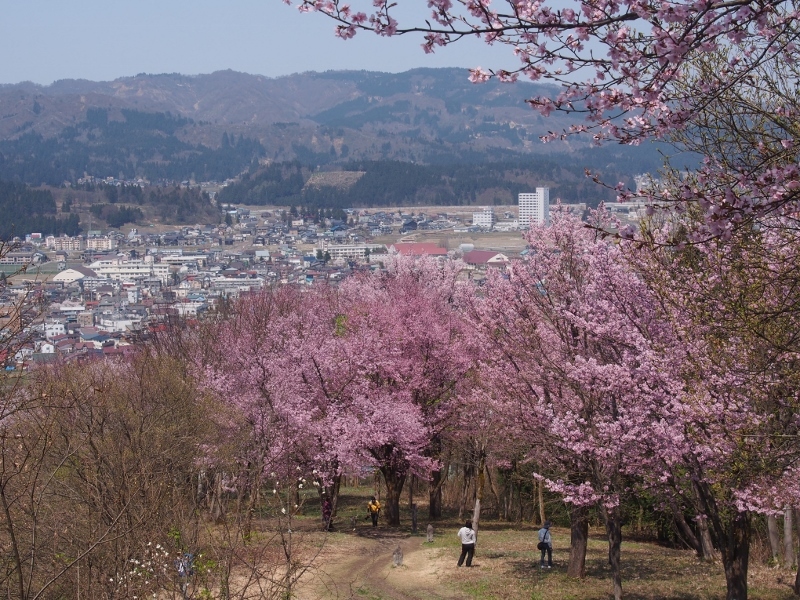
<point>358,564</point>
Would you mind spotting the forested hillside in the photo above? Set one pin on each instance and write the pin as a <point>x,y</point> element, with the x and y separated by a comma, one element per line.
<point>117,205</point>
<point>140,145</point>
<point>394,183</point>
<point>23,210</point>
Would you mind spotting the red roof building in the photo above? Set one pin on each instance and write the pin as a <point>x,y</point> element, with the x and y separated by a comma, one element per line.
<point>418,249</point>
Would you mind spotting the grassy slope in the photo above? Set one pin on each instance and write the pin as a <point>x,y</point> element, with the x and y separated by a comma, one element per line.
<point>506,564</point>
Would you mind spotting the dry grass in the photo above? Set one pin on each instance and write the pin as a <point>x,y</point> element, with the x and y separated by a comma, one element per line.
<point>509,570</point>
<point>358,565</point>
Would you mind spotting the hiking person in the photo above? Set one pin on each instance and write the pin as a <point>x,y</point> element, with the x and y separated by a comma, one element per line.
<point>467,536</point>
<point>546,546</point>
<point>374,508</point>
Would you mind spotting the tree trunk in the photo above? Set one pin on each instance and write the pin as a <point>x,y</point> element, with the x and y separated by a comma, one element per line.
<point>493,489</point>
<point>735,556</point>
<point>464,492</point>
<point>331,494</point>
<point>797,577</point>
<point>578,541</point>
<point>16,562</point>
<point>684,531</point>
<point>788,538</point>
<point>435,495</point>
<point>613,522</point>
<point>437,479</point>
<point>479,485</point>
<point>394,481</point>
<point>774,538</point>
<point>542,515</point>
<point>705,540</point>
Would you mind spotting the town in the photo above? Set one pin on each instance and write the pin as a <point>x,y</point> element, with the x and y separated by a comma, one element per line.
<point>108,290</point>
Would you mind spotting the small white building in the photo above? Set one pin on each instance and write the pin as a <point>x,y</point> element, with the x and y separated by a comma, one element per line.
<point>71,275</point>
<point>483,218</point>
<point>53,329</point>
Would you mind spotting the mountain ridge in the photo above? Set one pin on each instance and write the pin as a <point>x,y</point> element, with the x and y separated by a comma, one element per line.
<point>72,127</point>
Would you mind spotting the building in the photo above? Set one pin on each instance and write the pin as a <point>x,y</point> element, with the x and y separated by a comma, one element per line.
<point>133,270</point>
<point>347,251</point>
<point>73,274</point>
<point>64,243</point>
<point>418,249</point>
<point>85,319</point>
<point>22,257</point>
<point>484,218</point>
<point>534,208</point>
<point>481,259</point>
<point>100,243</point>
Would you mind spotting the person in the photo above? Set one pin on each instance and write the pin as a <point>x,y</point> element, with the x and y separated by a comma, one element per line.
<point>467,536</point>
<point>546,546</point>
<point>374,507</point>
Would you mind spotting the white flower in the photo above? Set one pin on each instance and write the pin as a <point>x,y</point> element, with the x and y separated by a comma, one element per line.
<point>274,491</point>
<point>283,510</point>
<point>300,487</point>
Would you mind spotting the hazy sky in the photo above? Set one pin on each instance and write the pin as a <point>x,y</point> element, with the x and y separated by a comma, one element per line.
<point>46,40</point>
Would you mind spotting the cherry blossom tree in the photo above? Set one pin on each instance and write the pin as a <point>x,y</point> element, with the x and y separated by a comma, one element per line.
<point>417,356</point>
<point>733,302</point>
<point>584,368</point>
<point>253,373</point>
<point>334,380</point>
<point>614,58</point>
<point>745,134</point>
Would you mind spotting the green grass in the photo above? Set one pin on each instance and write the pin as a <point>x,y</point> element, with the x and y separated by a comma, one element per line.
<point>363,592</point>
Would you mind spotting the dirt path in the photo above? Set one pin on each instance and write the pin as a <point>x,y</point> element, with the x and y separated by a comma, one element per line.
<point>360,566</point>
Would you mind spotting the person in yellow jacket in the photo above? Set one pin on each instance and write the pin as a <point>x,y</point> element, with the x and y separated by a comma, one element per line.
<point>373,508</point>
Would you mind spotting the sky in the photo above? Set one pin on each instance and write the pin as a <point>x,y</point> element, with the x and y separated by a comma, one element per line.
<point>46,40</point>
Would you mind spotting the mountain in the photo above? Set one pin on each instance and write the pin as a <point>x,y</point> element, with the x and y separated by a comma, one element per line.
<point>204,127</point>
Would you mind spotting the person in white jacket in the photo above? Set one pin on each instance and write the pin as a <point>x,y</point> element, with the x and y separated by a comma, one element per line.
<point>467,536</point>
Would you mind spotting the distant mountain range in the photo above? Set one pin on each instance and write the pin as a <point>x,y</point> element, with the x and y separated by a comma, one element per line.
<point>212,127</point>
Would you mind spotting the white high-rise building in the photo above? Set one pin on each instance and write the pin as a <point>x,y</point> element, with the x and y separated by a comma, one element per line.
<point>534,208</point>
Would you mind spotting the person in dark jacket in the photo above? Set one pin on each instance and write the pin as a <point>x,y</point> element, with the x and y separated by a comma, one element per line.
<point>546,546</point>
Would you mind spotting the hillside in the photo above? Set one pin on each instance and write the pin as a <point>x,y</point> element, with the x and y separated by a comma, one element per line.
<point>212,127</point>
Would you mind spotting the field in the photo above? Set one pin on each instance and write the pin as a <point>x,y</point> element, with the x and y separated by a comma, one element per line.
<point>358,564</point>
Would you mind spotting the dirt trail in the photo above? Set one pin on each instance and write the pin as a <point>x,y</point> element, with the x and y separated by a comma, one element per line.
<point>360,566</point>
